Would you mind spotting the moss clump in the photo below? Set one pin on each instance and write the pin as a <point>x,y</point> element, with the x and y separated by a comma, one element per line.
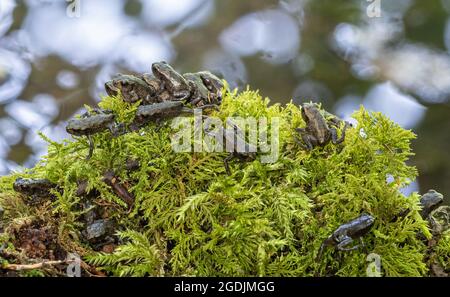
<point>443,252</point>
<point>267,219</point>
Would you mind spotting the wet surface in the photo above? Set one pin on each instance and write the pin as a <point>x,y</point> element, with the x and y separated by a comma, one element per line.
<point>55,57</point>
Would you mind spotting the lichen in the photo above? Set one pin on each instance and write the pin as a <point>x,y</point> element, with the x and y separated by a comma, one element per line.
<point>265,219</point>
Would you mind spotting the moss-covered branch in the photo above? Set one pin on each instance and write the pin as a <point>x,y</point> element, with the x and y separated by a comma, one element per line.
<point>190,218</point>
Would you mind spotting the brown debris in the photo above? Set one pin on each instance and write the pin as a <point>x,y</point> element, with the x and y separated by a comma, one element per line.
<point>39,241</point>
<point>109,248</point>
<point>438,271</point>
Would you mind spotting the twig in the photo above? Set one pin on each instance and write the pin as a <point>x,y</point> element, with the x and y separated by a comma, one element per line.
<point>19,267</point>
<point>31,266</point>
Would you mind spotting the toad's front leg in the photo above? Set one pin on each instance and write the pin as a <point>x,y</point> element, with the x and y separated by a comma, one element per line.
<point>309,141</point>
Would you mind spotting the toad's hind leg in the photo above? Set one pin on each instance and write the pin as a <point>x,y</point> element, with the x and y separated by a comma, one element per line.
<point>91,147</point>
<point>342,245</point>
<point>226,163</point>
<point>334,137</point>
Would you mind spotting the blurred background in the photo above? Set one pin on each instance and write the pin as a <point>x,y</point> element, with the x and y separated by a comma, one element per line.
<point>390,56</point>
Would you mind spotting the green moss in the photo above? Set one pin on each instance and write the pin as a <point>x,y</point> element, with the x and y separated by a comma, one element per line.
<point>443,252</point>
<point>267,219</point>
